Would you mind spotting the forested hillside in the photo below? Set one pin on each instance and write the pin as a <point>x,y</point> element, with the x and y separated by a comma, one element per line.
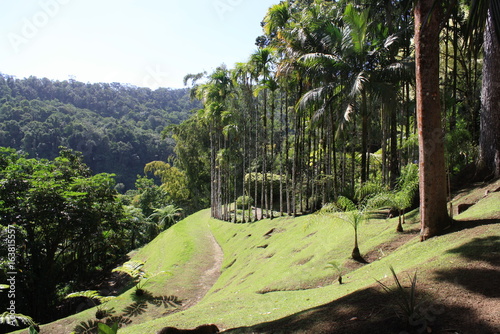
<point>116,127</point>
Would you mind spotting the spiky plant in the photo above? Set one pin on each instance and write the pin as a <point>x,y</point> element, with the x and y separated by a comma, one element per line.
<point>404,298</point>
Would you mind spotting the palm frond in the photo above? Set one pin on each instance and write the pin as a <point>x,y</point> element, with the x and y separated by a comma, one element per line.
<point>359,83</point>
<point>276,17</point>
<point>389,41</point>
<point>478,16</point>
<point>349,110</point>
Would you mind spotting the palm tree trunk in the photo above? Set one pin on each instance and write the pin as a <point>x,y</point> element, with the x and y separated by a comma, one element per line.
<point>400,226</point>
<point>356,255</point>
<point>433,191</point>
<point>364,135</point>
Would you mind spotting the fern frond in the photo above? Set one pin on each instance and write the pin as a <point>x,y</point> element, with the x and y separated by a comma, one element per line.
<point>15,319</point>
<point>91,294</point>
<point>132,268</point>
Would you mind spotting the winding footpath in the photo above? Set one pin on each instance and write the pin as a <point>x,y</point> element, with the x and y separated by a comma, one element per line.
<point>209,264</point>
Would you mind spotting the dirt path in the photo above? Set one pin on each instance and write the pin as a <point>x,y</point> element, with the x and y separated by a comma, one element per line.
<point>211,264</point>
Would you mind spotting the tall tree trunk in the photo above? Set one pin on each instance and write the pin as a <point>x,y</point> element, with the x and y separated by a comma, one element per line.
<point>433,192</point>
<point>364,135</point>
<point>394,161</point>
<point>489,138</point>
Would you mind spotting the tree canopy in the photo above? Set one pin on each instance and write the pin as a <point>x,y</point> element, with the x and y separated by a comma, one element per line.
<point>67,223</point>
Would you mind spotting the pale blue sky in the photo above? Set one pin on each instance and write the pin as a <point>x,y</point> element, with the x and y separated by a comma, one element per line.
<point>151,43</point>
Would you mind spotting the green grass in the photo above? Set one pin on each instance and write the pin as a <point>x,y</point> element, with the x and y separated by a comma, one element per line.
<point>266,276</point>
<point>275,268</point>
<point>487,208</point>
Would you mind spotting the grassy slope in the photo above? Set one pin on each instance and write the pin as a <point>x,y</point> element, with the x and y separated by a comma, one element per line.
<point>179,251</point>
<point>276,268</point>
<point>269,277</point>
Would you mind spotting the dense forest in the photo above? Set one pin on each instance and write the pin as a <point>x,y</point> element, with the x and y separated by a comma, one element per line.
<point>116,127</point>
<point>67,149</point>
<point>333,101</point>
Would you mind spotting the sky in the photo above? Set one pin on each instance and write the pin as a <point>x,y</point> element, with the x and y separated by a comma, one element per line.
<point>146,43</point>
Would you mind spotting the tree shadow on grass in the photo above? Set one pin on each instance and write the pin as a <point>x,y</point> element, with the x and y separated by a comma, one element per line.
<point>481,249</point>
<point>483,281</point>
<point>142,301</point>
<point>459,225</point>
<point>372,311</point>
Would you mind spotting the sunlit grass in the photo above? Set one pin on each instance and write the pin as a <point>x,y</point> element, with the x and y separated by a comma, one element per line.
<point>275,268</point>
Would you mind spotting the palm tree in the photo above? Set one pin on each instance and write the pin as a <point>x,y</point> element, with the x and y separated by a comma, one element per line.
<point>402,197</point>
<point>433,187</point>
<point>355,217</point>
<point>213,94</point>
<point>262,62</point>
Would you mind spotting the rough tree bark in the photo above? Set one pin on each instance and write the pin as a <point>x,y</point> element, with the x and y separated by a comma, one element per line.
<point>433,191</point>
<point>489,139</point>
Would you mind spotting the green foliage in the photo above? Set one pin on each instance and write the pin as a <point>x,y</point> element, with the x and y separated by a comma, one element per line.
<point>135,270</point>
<point>244,202</point>
<point>402,197</point>
<point>16,319</point>
<point>132,269</point>
<point>165,217</point>
<point>68,223</point>
<point>192,147</point>
<point>368,189</point>
<point>338,268</point>
<point>33,330</point>
<point>91,294</point>
<point>345,204</point>
<point>174,181</point>
<point>105,329</point>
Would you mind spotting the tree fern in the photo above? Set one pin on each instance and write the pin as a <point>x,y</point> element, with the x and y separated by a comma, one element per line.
<point>16,319</point>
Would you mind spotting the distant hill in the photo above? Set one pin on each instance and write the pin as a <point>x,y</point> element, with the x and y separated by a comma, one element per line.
<point>116,127</point>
